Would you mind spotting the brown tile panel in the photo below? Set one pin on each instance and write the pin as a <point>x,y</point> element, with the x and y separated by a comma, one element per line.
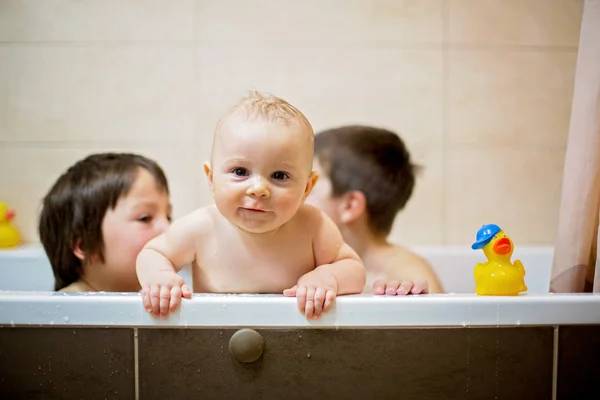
<point>66,363</point>
<point>507,363</point>
<point>578,362</point>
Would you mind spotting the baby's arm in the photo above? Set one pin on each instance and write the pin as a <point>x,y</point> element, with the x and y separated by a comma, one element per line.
<point>339,270</point>
<point>161,258</point>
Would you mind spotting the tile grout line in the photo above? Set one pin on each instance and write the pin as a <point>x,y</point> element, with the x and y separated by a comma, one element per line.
<point>136,369</point>
<point>555,363</point>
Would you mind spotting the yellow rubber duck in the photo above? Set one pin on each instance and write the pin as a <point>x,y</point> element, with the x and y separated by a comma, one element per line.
<point>498,276</point>
<point>9,236</point>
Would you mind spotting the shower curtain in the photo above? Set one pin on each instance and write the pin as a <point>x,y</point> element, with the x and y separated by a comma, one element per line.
<point>577,237</point>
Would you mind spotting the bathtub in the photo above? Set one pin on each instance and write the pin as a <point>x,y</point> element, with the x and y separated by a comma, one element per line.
<point>451,346</point>
<point>27,268</point>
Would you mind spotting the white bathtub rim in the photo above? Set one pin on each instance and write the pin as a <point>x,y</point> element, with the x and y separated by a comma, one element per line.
<point>277,311</point>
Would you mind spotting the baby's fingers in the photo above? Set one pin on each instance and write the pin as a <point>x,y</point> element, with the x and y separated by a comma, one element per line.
<point>379,287</point>
<point>165,297</point>
<point>186,292</point>
<point>301,297</point>
<point>310,302</point>
<point>155,300</point>
<point>329,300</point>
<point>175,298</point>
<point>290,292</point>
<point>405,288</point>
<point>420,287</point>
<point>146,299</point>
<point>319,301</point>
<point>392,288</point>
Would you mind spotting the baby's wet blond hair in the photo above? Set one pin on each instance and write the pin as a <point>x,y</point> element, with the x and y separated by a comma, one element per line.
<point>270,108</point>
<point>266,106</point>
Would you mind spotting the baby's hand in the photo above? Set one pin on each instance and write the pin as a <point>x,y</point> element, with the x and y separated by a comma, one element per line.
<point>393,288</point>
<point>162,294</point>
<point>315,292</point>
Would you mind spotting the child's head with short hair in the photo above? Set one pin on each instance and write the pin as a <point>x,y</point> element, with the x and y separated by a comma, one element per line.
<point>361,159</point>
<point>98,215</point>
<point>261,162</point>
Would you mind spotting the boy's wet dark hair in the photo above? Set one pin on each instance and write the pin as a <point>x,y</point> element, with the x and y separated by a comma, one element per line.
<point>373,161</point>
<point>74,208</point>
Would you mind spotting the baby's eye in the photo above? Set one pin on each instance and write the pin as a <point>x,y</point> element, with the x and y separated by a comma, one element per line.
<point>240,172</point>
<point>280,175</point>
<point>145,218</point>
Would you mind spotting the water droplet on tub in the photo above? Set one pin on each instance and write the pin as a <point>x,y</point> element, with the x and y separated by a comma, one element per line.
<point>308,355</point>
<point>58,306</point>
<point>518,323</point>
<point>224,306</point>
<point>66,319</point>
<point>12,324</point>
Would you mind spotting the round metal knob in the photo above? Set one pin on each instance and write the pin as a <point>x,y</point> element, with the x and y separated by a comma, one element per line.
<point>246,345</point>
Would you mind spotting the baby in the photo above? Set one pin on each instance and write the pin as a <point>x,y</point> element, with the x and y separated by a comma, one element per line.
<point>97,217</point>
<point>259,237</point>
<point>366,178</point>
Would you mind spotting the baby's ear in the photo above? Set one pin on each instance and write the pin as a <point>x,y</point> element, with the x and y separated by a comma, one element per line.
<point>78,252</point>
<point>352,206</point>
<point>310,183</point>
<point>209,174</point>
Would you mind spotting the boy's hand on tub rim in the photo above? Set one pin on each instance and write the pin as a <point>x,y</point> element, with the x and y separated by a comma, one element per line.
<point>393,288</point>
<point>315,292</point>
<point>165,296</point>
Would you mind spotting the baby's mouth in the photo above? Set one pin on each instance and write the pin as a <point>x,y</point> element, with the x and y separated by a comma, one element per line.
<point>257,210</point>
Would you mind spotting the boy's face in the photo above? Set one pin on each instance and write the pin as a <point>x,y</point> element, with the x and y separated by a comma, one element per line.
<point>260,172</point>
<point>142,214</point>
<point>321,195</point>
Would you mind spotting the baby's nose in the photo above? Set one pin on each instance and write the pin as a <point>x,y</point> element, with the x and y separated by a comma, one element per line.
<point>258,188</point>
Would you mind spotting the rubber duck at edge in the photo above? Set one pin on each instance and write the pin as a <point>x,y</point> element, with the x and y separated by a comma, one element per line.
<point>498,276</point>
<point>9,235</point>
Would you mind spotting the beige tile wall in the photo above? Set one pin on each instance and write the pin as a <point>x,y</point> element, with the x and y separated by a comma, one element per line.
<point>480,89</point>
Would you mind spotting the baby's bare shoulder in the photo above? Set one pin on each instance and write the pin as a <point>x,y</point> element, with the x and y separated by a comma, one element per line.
<point>197,222</point>
<point>309,212</point>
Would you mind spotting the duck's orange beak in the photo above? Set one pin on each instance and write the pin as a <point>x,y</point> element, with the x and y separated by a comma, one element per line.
<point>502,246</point>
<point>10,214</point>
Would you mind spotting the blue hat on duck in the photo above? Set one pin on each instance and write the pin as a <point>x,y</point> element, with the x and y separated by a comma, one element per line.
<point>485,235</point>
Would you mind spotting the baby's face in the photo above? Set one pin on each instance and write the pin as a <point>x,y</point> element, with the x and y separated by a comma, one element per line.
<point>142,214</point>
<point>261,172</point>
